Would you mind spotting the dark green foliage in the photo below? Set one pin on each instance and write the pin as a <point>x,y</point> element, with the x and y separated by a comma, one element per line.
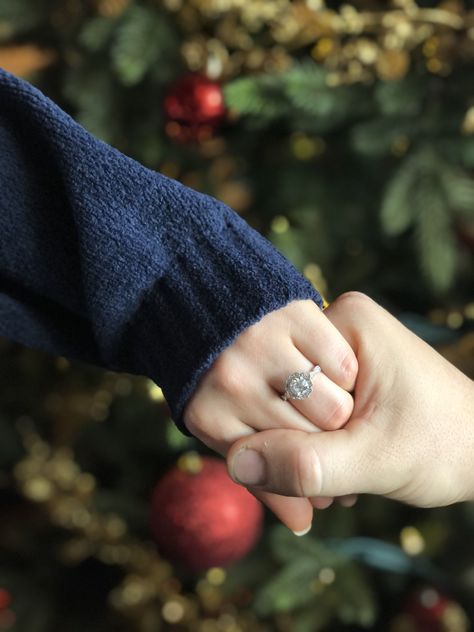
<point>141,41</point>
<point>376,200</point>
<point>401,142</point>
<point>428,193</point>
<point>299,92</point>
<point>298,584</point>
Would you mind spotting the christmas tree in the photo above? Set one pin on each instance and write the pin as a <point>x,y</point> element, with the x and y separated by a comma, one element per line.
<point>344,132</point>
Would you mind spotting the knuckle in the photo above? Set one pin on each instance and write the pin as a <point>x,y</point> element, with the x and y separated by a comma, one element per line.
<point>307,469</point>
<point>194,416</point>
<point>204,425</point>
<point>341,413</point>
<point>353,296</point>
<point>228,380</point>
<point>350,366</point>
<point>355,302</point>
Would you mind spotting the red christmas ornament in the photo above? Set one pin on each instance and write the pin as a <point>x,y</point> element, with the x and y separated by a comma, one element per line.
<point>7,616</point>
<point>5,598</point>
<point>194,107</point>
<point>200,517</point>
<point>427,610</point>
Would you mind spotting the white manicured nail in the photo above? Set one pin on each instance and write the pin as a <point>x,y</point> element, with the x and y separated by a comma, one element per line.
<point>304,532</point>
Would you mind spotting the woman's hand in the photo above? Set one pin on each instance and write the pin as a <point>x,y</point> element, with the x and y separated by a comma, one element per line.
<point>411,435</point>
<point>240,393</point>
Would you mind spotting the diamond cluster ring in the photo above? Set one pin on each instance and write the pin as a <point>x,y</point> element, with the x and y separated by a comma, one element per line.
<point>298,385</point>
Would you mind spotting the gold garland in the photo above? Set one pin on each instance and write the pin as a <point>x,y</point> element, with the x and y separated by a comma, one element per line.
<point>149,595</point>
<point>226,38</point>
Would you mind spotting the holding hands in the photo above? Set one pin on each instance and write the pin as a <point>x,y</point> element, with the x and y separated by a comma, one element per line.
<point>408,434</point>
<point>241,393</point>
<point>411,433</point>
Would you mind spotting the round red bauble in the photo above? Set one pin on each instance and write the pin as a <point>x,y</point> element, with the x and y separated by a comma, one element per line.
<point>201,518</point>
<point>194,107</point>
<point>430,611</point>
<point>5,598</point>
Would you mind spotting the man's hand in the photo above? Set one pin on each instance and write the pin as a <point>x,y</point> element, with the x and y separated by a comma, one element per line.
<point>411,434</point>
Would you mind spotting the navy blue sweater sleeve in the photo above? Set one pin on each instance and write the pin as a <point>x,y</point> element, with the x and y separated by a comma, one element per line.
<point>104,260</point>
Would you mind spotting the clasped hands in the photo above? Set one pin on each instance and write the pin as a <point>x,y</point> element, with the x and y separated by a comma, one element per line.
<point>388,415</point>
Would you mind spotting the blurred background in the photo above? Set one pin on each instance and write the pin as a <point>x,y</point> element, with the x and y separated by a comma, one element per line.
<point>344,132</point>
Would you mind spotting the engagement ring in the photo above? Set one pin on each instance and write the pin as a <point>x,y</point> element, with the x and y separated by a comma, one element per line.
<point>298,385</point>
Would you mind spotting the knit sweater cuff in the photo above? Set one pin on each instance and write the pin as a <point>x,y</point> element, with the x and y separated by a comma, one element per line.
<point>234,277</point>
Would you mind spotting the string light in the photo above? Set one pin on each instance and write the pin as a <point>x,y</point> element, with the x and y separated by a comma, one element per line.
<point>412,541</point>
<point>190,462</point>
<point>327,575</point>
<point>172,611</point>
<point>454,320</point>
<point>216,576</point>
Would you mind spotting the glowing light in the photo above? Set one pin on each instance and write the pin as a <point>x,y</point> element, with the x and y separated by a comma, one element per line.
<point>172,611</point>
<point>38,489</point>
<point>280,224</point>
<point>412,541</point>
<point>454,320</point>
<point>327,575</point>
<point>216,576</point>
<point>429,598</point>
<point>190,462</point>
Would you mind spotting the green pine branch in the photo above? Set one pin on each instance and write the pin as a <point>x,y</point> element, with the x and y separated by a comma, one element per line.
<point>437,248</point>
<point>142,40</point>
<point>427,194</point>
<point>301,91</point>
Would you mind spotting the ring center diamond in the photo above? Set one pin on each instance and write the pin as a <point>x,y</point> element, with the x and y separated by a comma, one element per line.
<point>299,385</point>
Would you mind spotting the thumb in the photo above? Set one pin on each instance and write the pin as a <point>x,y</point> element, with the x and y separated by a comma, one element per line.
<point>297,463</point>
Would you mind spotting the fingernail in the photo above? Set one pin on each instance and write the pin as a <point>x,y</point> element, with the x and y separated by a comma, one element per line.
<point>304,532</point>
<point>249,467</point>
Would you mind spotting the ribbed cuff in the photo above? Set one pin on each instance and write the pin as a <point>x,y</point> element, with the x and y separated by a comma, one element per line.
<point>214,289</point>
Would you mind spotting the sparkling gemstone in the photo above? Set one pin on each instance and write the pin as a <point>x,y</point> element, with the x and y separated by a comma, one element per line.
<point>299,385</point>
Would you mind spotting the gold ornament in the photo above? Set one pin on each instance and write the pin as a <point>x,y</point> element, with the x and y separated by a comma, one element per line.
<point>392,64</point>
